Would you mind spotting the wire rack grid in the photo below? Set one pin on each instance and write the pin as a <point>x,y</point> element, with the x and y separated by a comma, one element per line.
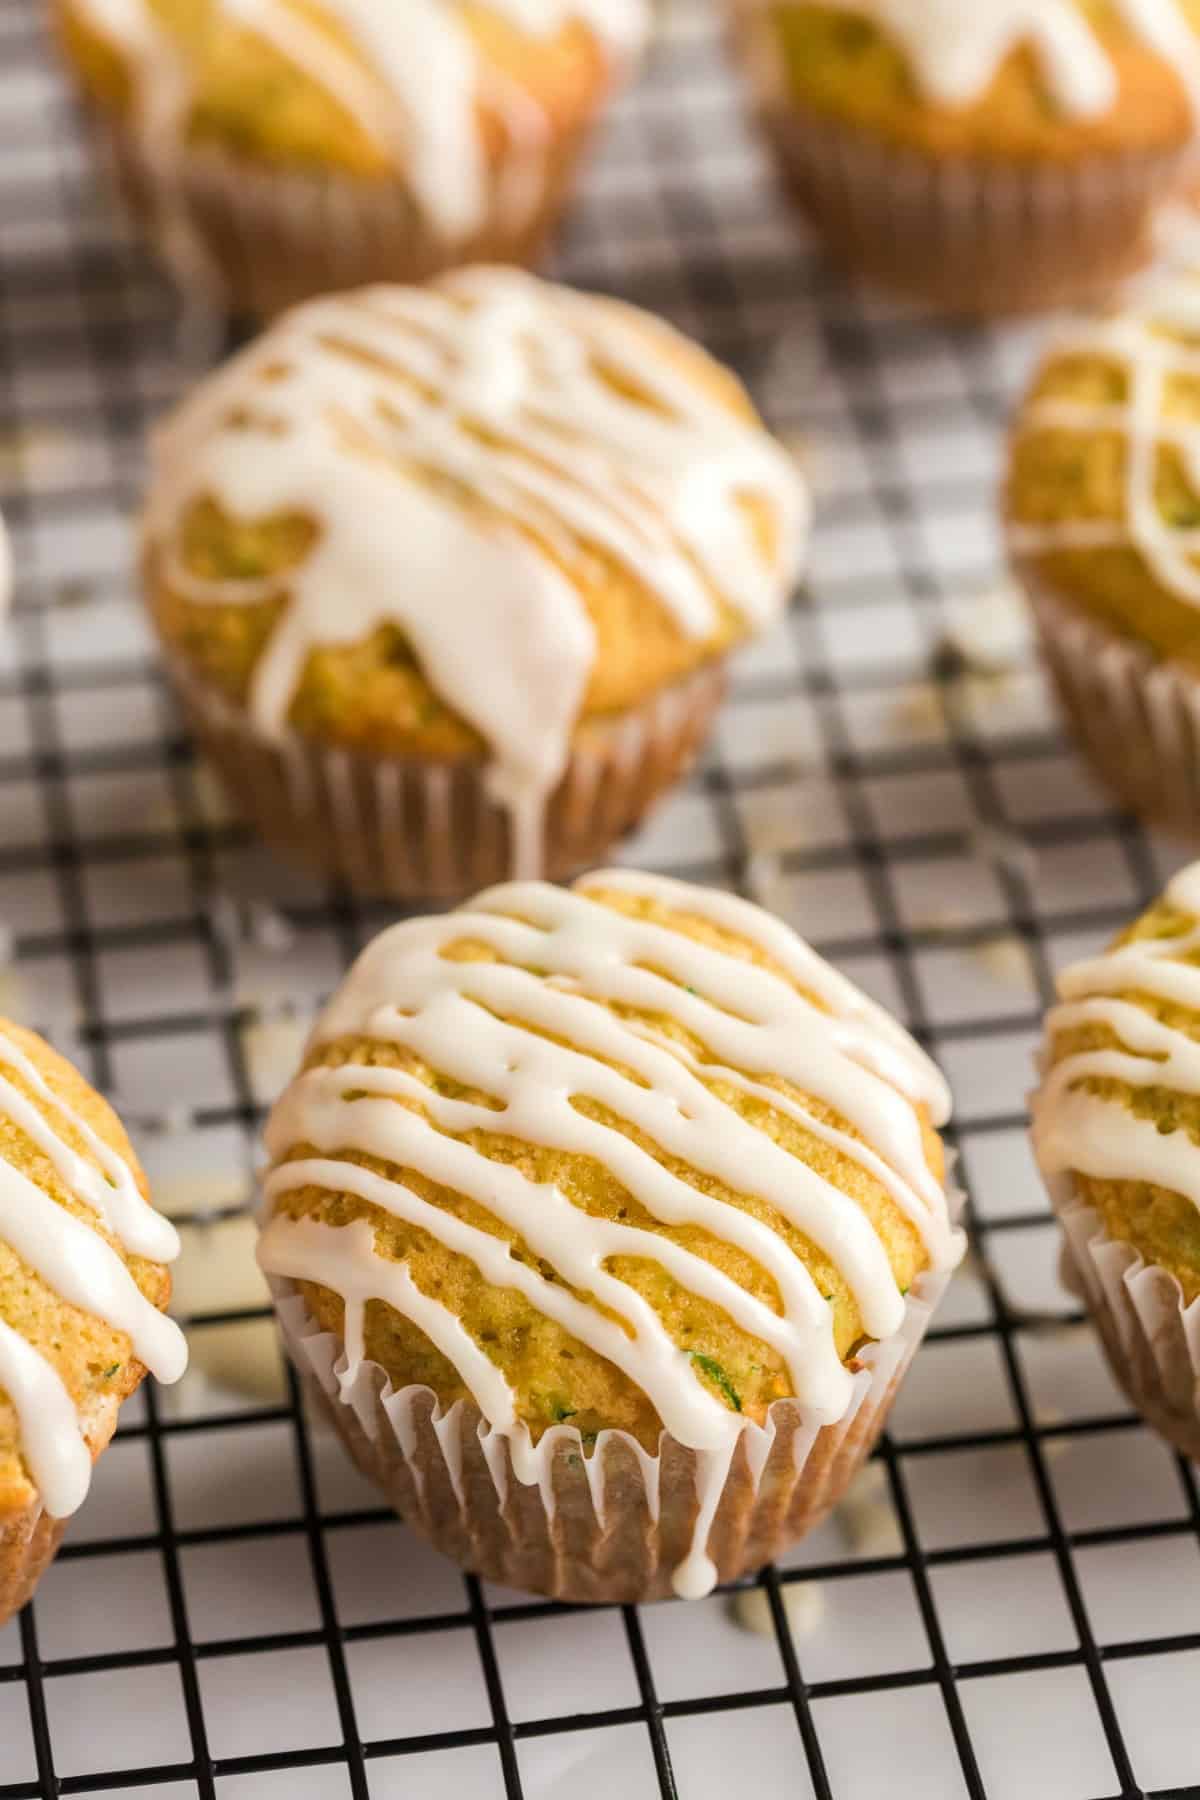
<point>1010,1606</point>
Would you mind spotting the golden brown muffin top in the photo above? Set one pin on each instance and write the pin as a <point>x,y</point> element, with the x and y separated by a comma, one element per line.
<point>82,1277</point>
<point>628,1156</point>
<point>344,83</point>
<point>464,519</point>
<point>1103,485</point>
<point>1003,80</point>
<point>1116,1120</point>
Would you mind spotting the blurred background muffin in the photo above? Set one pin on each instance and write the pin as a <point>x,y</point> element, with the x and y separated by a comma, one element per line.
<point>1103,510</point>
<point>447,577</point>
<point>82,1287</point>
<point>292,147</point>
<point>985,157</point>
<point>1116,1124</point>
<point>604,1224</point>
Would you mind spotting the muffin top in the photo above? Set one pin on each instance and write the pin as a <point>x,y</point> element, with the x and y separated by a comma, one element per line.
<point>1117,1116</point>
<point>445,91</point>
<point>1103,493</point>
<point>1012,80</point>
<point>459,520</point>
<point>627,1156</point>
<point>82,1281</point>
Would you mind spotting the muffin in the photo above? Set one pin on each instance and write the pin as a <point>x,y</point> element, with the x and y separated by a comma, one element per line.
<point>985,158</point>
<point>82,1288</point>
<point>1115,1126</point>
<point>447,577</point>
<point>603,1223</point>
<point>1103,508</point>
<point>293,147</point>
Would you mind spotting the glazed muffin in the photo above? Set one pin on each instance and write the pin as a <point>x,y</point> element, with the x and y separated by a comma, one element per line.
<point>604,1222</point>
<point>1103,508</point>
<point>82,1288</point>
<point>293,147</point>
<point>986,158</point>
<point>447,577</point>
<point>1116,1123</point>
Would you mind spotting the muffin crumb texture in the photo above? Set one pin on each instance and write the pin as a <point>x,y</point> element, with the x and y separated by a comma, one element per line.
<point>1103,490</point>
<point>624,1158</point>
<point>1002,80</point>
<point>82,1281</point>
<point>1117,1117</point>
<point>336,83</point>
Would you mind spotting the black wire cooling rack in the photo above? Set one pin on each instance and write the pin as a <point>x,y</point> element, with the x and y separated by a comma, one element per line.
<point>1010,1605</point>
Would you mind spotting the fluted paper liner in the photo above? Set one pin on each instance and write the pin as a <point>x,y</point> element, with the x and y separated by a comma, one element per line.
<point>975,236</point>
<point>28,1544</point>
<point>1135,717</point>
<point>615,1525</point>
<point>1151,1339</point>
<point>257,239</point>
<point>413,828</point>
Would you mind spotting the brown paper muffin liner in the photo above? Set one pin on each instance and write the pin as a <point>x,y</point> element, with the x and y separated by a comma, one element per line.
<point>1151,1339</point>
<point>409,829</point>
<point>1135,717</point>
<point>256,240</point>
<point>28,1544</point>
<point>612,1526</point>
<point>973,237</point>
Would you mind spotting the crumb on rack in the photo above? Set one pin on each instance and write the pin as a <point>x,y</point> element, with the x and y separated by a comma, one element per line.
<point>803,1608</point>
<point>866,1518</point>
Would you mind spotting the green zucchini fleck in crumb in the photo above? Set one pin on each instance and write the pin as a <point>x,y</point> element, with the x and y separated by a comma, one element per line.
<point>708,1365</point>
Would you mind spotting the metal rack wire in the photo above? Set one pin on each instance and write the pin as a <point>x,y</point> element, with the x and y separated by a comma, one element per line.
<point>232,1615</point>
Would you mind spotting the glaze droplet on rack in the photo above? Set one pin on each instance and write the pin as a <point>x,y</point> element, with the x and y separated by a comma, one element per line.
<point>1077,1130</point>
<point>81,1267</point>
<point>414,81</point>
<point>568,426</point>
<point>956,48</point>
<point>571,1010</point>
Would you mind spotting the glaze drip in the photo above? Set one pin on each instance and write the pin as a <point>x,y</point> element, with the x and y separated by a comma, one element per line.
<point>457,445</point>
<point>82,1268</point>
<point>415,83</point>
<point>1080,1132</point>
<point>529,1031</point>
<point>956,48</point>
<point>1135,342</point>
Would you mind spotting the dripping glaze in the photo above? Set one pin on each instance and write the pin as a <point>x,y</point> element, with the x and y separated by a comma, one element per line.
<point>421,110</point>
<point>1133,340</point>
<point>481,1024</point>
<point>1089,1134</point>
<point>82,1268</point>
<point>495,381</point>
<point>956,48</point>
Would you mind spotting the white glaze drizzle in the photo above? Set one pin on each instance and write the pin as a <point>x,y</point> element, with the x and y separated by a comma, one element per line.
<point>956,48</point>
<point>1134,342</point>
<point>329,413</point>
<point>111,1189</point>
<point>82,1268</point>
<point>58,1457</point>
<point>528,1031</point>
<point>1080,1132</point>
<point>415,85</point>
